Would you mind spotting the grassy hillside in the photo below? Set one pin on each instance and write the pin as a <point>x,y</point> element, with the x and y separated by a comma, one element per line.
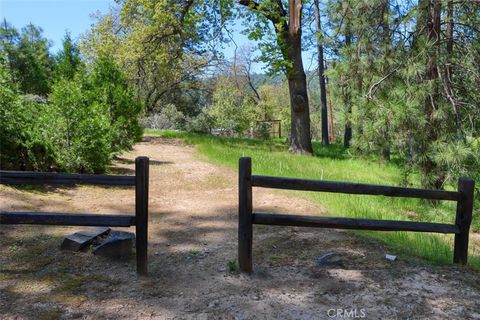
<point>334,163</point>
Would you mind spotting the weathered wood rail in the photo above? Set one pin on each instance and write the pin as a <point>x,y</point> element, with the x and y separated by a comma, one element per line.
<point>247,218</point>
<point>139,220</point>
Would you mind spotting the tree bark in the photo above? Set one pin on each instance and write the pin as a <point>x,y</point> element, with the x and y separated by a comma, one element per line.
<point>330,121</point>
<point>448,66</point>
<point>347,137</point>
<point>433,177</point>
<point>321,76</point>
<point>300,141</point>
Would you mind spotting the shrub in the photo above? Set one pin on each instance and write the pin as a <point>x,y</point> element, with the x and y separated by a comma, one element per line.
<point>231,110</point>
<point>107,85</point>
<point>202,123</point>
<point>263,130</point>
<point>23,145</point>
<point>86,120</point>
<point>83,134</point>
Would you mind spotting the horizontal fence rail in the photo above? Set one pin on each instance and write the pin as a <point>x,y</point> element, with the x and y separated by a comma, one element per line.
<point>31,177</point>
<point>352,223</point>
<point>139,220</point>
<point>247,218</point>
<point>67,219</point>
<point>351,188</point>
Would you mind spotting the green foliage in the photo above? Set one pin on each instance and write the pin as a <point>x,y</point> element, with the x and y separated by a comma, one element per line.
<point>68,60</point>
<point>22,141</point>
<point>89,116</point>
<point>164,48</point>
<point>28,58</point>
<point>263,130</point>
<point>9,115</point>
<point>274,105</point>
<point>231,111</point>
<point>95,114</point>
<point>232,265</point>
<point>83,132</point>
<point>400,108</point>
<point>258,26</point>
<point>107,85</point>
<point>202,123</point>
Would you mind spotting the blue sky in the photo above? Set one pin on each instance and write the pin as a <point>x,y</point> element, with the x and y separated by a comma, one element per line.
<point>53,16</point>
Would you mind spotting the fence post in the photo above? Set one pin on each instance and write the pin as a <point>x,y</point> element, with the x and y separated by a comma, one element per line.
<point>141,213</point>
<point>463,219</point>
<point>245,228</point>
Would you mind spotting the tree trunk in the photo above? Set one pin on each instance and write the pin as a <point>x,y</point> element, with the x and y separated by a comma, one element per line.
<point>448,66</point>
<point>300,141</point>
<point>433,176</point>
<point>289,40</point>
<point>347,137</point>
<point>330,122</point>
<point>321,76</point>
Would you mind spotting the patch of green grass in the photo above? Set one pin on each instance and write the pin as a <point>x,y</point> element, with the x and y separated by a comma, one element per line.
<point>334,163</point>
<point>232,266</point>
<point>194,252</point>
<point>275,258</point>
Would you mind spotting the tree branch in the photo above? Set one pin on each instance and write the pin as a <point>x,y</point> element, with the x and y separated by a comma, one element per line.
<point>272,16</point>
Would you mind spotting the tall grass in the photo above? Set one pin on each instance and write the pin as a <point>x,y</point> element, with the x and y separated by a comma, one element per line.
<point>334,163</point>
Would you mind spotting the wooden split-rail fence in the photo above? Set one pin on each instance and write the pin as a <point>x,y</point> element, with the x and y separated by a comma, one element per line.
<point>139,220</point>
<point>247,217</point>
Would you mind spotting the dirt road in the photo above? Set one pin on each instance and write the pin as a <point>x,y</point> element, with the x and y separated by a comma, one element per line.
<point>193,234</point>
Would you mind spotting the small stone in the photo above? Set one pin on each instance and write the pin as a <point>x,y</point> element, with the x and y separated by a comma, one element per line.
<point>329,259</point>
<point>81,239</point>
<point>118,245</point>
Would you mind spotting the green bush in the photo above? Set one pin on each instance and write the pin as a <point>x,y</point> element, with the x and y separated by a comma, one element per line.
<point>263,130</point>
<point>231,110</point>
<point>202,123</point>
<point>96,114</point>
<point>107,85</point>
<point>23,145</point>
<point>83,133</point>
<point>86,120</point>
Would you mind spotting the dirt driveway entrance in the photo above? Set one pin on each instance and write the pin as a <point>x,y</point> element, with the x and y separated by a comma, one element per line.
<point>193,234</point>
